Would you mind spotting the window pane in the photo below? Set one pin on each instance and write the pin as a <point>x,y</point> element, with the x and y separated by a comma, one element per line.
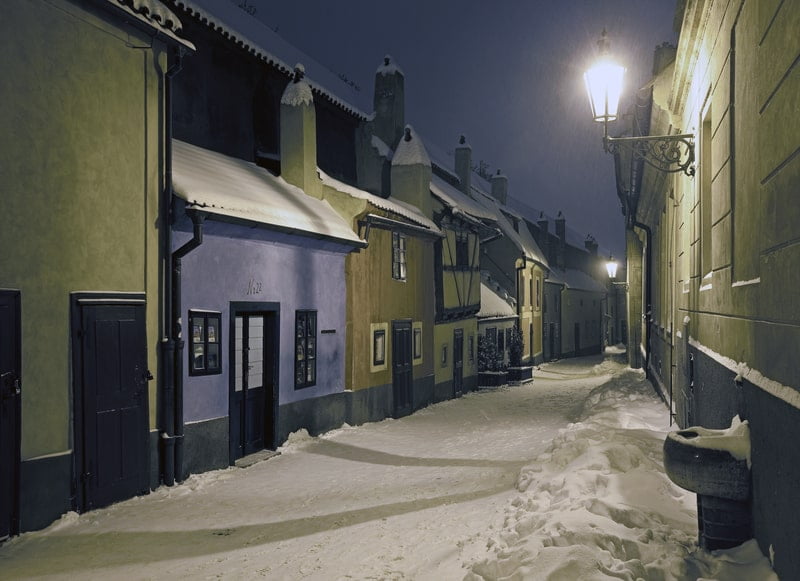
<point>300,375</point>
<point>198,325</point>
<point>311,348</point>
<point>211,330</point>
<point>301,325</point>
<point>311,373</point>
<point>312,324</point>
<point>213,356</point>
<point>198,357</point>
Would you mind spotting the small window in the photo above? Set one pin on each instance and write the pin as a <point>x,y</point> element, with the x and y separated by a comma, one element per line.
<point>417,343</point>
<point>379,347</point>
<point>398,256</point>
<point>501,341</point>
<point>305,364</point>
<point>471,348</point>
<point>444,355</point>
<point>462,249</point>
<point>205,356</point>
<point>538,293</point>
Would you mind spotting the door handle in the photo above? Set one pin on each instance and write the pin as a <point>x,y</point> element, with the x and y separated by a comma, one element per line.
<point>9,382</point>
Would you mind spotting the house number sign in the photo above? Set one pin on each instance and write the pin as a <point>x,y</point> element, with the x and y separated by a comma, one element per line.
<point>254,287</point>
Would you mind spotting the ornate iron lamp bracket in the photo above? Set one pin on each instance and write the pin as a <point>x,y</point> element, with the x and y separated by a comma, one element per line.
<point>666,153</point>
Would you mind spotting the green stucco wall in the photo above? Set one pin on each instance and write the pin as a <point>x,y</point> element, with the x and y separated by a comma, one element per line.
<point>79,128</point>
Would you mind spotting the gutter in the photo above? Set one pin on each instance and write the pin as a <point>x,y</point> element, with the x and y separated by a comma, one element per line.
<point>377,221</point>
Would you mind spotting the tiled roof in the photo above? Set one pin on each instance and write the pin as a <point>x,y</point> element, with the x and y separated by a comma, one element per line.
<point>155,14</point>
<point>260,40</point>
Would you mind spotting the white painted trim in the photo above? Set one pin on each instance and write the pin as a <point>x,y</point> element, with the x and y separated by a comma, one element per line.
<point>772,387</point>
<point>746,282</point>
<point>45,456</point>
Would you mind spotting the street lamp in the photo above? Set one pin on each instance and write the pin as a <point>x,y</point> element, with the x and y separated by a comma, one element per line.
<point>611,267</point>
<point>666,153</point>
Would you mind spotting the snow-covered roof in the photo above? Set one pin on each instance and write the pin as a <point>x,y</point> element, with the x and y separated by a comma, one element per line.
<point>576,279</point>
<point>521,238</point>
<point>458,201</point>
<point>574,238</point>
<point>227,186</point>
<point>251,34</point>
<point>407,211</point>
<point>154,14</point>
<point>495,301</point>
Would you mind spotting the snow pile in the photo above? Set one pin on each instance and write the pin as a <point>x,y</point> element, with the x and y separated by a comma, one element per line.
<point>735,439</point>
<point>598,504</point>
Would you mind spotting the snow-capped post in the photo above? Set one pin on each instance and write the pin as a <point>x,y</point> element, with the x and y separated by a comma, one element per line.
<point>464,164</point>
<point>499,187</point>
<point>299,133</point>
<point>389,102</point>
<point>411,173</point>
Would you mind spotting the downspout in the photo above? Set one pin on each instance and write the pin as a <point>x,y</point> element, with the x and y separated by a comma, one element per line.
<point>167,415</point>
<point>197,239</point>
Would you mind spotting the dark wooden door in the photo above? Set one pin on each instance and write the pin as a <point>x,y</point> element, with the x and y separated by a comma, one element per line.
<point>458,362</point>
<point>552,341</point>
<point>251,393</point>
<point>10,394</point>
<point>577,339</point>
<point>402,369</point>
<point>112,429</point>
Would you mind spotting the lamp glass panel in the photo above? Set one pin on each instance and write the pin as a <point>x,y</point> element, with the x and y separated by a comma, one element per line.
<point>604,85</point>
<point>611,266</point>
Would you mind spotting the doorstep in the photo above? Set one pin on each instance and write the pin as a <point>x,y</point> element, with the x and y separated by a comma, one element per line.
<point>254,458</point>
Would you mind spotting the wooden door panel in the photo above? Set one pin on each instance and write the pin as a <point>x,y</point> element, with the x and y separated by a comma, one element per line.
<point>115,434</point>
<point>10,394</point>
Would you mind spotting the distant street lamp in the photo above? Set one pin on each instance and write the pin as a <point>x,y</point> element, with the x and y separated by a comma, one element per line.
<point>666,153</point>
<point>611,267</point>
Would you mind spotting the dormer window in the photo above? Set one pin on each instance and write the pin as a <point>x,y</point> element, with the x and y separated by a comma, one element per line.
<point>462,249</point>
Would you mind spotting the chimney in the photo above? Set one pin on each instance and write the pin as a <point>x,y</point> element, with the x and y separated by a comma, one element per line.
<point>464,164</point>
<point>499,187</point>
<point>591,245</point>
<point>561,232</point>
<point>663,55</point>
<point>299,134</point>
<point>544,234</point>
<point>411,173</point>
<point>389,102</point>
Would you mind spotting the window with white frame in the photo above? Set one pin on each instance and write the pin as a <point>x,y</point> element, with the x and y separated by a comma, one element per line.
<point>398,256</point>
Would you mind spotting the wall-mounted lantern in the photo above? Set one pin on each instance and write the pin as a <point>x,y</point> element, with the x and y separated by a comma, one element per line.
<point>604,82</point>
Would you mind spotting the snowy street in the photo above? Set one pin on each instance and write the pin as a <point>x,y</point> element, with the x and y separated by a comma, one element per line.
<point>560,478</point>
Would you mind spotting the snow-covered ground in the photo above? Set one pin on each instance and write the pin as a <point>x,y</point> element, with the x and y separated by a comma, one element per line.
<point>558,479</point>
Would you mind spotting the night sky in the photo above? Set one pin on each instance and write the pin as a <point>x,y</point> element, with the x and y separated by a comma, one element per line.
<point>507,74</point>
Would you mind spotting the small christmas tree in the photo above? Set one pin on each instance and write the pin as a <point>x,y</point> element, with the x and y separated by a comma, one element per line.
<point>489,358</point>
<point>516,345</point>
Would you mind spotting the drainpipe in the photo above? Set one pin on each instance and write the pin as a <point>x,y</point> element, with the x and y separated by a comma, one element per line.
<point>167,415</point>
<point>197,239</point>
